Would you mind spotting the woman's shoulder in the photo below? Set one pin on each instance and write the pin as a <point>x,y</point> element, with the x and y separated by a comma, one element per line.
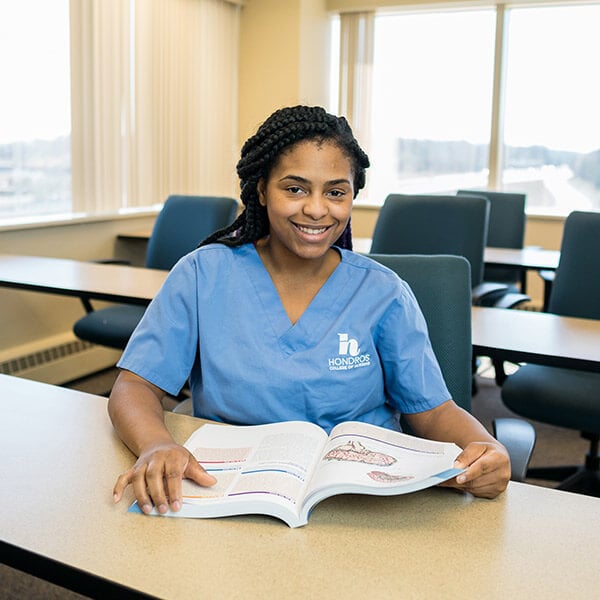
<point>218,253</point>
<point>211,259</point>
<point>354,260</point>
<point>379,276</point>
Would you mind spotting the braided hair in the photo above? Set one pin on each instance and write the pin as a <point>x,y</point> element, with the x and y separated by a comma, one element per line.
<point>284,128</point>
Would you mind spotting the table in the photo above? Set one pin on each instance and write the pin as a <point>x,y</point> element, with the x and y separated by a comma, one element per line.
<point>60,458</point>
<point>530,258</point>
<point>542,338</point>
<point>85,280</point>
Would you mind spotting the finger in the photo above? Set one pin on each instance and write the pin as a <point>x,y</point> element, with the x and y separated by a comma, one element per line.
<point>469,455</point>
<point>195,471</point>
<point>141,492</point>
<point>123,481</point>
<point>173,479</point>
<point>487,485</point>
<point>155,482</point>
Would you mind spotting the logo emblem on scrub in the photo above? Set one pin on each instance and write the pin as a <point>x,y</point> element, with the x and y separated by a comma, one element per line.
<point>348,345</point>
<point>349,356</point>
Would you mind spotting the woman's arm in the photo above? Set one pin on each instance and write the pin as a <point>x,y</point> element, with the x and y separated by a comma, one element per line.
<point>135,409</point>
<point>486,460</point>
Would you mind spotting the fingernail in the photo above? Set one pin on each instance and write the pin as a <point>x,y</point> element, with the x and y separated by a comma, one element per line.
<point>162,508</point>
<point>147,508</point>
<point>176,505</point>
<point>115,498</point>
<point>461,479</point>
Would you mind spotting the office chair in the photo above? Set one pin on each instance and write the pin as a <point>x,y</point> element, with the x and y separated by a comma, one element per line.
<point>422,224</point>
<point>441,285</point>
<point>506,229</point>
<point>567,397</point>
<point>181,225</point>
<point>458,225</point>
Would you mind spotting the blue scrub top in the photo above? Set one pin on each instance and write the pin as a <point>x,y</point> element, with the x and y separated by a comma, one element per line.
<point>360,351</point>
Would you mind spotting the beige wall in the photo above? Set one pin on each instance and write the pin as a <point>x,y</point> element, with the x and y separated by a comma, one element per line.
<point>284,47</point>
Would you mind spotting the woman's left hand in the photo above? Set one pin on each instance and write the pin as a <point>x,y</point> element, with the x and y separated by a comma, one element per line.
<point>487,467</point>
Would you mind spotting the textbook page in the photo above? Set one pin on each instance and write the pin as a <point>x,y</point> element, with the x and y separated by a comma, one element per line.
<point>363,458</point>
<point>261,469</point>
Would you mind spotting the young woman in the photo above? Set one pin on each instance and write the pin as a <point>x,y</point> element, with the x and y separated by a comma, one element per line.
<point>262,315</point>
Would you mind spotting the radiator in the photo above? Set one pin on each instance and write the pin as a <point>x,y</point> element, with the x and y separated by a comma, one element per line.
<point>57,359</point>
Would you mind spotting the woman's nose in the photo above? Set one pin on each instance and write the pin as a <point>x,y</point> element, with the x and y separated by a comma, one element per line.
<point>315,207</point>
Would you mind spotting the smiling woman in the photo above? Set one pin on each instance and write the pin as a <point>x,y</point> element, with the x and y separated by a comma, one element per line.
<point>276,319</point>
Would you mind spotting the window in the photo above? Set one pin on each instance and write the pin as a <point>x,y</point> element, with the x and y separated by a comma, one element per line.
<point>432,90</point>
<point>552,117</point>
<point>35,118</point>
<point>141,90</point>
<point>448,113</point>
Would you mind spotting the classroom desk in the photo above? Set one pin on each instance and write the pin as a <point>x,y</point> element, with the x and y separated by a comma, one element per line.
<point>529,258</point>
<point>542,338</point>
<point>60,458</point>
<point>82,279</point>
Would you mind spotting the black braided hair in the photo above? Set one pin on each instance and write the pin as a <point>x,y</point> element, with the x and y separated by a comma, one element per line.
<point>284,128</point>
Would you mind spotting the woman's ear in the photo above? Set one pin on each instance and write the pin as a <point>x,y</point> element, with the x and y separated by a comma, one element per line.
<point>260,188</point>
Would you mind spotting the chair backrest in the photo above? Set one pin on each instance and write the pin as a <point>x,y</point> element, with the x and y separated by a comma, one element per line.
<point>576,287</point>
<point>442,287</point>
<point>422,224</point>
<point>183,223</point>
<point>506,228</point>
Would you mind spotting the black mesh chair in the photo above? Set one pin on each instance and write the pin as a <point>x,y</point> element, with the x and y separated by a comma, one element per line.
<point>181,225</point>
<point>566,397</point>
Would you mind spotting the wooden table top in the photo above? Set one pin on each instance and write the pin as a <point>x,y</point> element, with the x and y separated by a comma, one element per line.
<point>60,458</point>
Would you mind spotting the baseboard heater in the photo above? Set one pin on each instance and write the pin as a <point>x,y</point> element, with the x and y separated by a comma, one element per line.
<point>57,359</point>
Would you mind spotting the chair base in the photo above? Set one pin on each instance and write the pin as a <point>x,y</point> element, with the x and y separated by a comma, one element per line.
<point>583,479</point>
<point>572,479</point>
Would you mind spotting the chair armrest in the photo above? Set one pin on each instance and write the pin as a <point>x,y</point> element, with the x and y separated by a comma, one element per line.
<point>518,437</point>
<point>511,300</point>
<point>487,292</point>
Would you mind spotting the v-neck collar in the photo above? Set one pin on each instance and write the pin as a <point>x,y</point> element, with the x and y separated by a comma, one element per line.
<point>310,327</point>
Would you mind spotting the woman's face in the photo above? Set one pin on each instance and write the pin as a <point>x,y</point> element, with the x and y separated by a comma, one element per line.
<point>308,197</point>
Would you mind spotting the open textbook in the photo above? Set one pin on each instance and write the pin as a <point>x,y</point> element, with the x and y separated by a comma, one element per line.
<point>285,469</point>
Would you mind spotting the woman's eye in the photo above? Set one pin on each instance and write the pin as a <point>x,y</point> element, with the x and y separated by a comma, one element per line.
<point>337,193</point>
<point>294,189</point>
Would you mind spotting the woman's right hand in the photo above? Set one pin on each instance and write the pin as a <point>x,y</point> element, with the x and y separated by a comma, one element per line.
<point>157,474</point>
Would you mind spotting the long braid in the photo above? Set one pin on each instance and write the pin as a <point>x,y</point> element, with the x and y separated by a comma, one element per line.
<point>284,128</point>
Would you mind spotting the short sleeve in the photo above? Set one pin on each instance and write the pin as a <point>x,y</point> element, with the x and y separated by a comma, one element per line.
<point>412,377</point>
<point>163,347</point>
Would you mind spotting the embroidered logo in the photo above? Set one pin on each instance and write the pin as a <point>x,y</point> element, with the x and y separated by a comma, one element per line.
<point>349,356</point>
